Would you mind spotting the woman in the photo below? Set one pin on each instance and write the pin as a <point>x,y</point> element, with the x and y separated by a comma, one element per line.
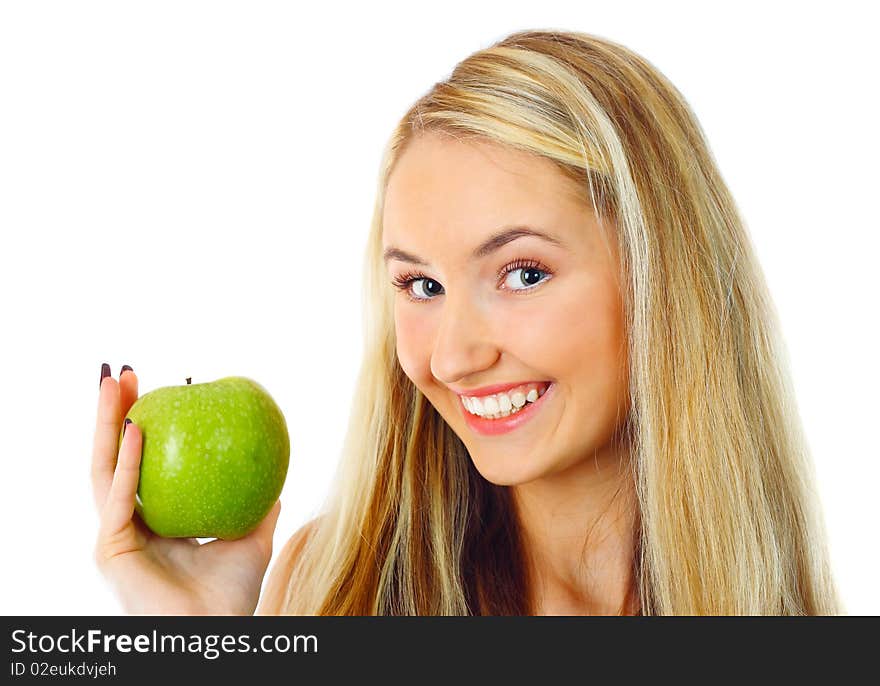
<point>575,397</point>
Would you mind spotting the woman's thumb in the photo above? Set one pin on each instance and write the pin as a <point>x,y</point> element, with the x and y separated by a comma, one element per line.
<point>264,532</point>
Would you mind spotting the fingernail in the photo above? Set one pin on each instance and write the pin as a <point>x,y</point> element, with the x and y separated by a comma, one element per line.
<point>125,426</point>
<point>105,372</point>
<point>124,367</point>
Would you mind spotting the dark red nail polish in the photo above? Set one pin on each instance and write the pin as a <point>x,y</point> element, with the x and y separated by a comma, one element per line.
<point>105,372</point>
<point>125,425</point>
<point>124,367</point>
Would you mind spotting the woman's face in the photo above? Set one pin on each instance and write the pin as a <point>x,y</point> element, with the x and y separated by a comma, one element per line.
<point>554,317</point>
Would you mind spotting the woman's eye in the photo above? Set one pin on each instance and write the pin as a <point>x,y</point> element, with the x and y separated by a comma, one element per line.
<point>522,278</point>
<point>428,287</point>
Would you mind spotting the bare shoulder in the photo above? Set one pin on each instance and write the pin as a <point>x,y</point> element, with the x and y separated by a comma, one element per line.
<point>295,543</point>
<point>279,574</point>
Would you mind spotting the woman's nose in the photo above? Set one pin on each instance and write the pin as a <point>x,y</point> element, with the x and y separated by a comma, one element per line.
<point>464,341</point>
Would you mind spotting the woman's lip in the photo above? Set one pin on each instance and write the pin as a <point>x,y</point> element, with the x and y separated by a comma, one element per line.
<point>496,388</point>
<point>494,427</point>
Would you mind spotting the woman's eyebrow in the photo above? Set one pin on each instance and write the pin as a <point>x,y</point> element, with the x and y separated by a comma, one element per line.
<point>490,245</point>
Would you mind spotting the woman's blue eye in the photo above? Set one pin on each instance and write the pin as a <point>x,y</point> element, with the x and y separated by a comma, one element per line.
<point>528,276</point>
<point>430,287</point>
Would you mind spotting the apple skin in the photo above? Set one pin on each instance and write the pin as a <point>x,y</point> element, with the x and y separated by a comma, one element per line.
<point>214,458</point>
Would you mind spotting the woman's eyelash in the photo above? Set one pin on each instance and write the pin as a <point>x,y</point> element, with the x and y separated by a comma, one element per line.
<point>403,281</point>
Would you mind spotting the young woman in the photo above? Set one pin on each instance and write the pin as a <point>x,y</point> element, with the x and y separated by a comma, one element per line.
<point>574,395</point>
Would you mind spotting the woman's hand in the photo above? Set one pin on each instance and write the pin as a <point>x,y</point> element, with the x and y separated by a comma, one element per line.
<point>151,574</point>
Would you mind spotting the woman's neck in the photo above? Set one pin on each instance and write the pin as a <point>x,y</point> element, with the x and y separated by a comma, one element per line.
<point>578,529</point>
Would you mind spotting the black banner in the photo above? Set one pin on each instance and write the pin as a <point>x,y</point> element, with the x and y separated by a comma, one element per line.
<point>407,649</point>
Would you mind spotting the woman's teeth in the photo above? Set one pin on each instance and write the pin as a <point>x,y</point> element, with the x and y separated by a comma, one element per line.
<point>504,404</point>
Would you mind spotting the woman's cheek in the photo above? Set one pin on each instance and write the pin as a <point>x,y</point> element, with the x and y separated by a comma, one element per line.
<point>413,345</point>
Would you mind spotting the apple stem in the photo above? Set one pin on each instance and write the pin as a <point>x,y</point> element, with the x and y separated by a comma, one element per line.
<point>188,380</point>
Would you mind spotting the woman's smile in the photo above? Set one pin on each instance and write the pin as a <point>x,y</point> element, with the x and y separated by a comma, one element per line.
<point>492,419</point>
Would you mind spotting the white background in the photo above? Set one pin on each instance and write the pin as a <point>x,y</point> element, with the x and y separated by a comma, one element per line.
<point>186,187</point>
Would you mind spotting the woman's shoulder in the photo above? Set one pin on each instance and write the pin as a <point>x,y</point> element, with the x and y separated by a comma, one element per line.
<point>296,542</point>
<point>279,574</point>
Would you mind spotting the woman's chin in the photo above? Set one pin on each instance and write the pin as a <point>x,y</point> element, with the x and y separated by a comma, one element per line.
<point>507,473</point>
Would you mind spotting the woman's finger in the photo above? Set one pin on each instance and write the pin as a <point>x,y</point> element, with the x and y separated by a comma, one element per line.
<point>128,389</point>
<point>119,506</point>
<point>106,443</point>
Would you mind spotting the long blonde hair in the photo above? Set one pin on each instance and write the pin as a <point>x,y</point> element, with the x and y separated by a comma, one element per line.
<point>728,517</point>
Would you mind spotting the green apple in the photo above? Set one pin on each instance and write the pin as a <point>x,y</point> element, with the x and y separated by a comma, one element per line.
<point>214,457</point>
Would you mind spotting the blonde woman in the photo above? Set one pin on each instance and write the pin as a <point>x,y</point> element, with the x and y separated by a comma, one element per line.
<point>574,397</point>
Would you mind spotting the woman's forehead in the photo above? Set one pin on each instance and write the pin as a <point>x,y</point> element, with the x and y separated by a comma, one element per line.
<point>472,168</point>
<point>444,186</point>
